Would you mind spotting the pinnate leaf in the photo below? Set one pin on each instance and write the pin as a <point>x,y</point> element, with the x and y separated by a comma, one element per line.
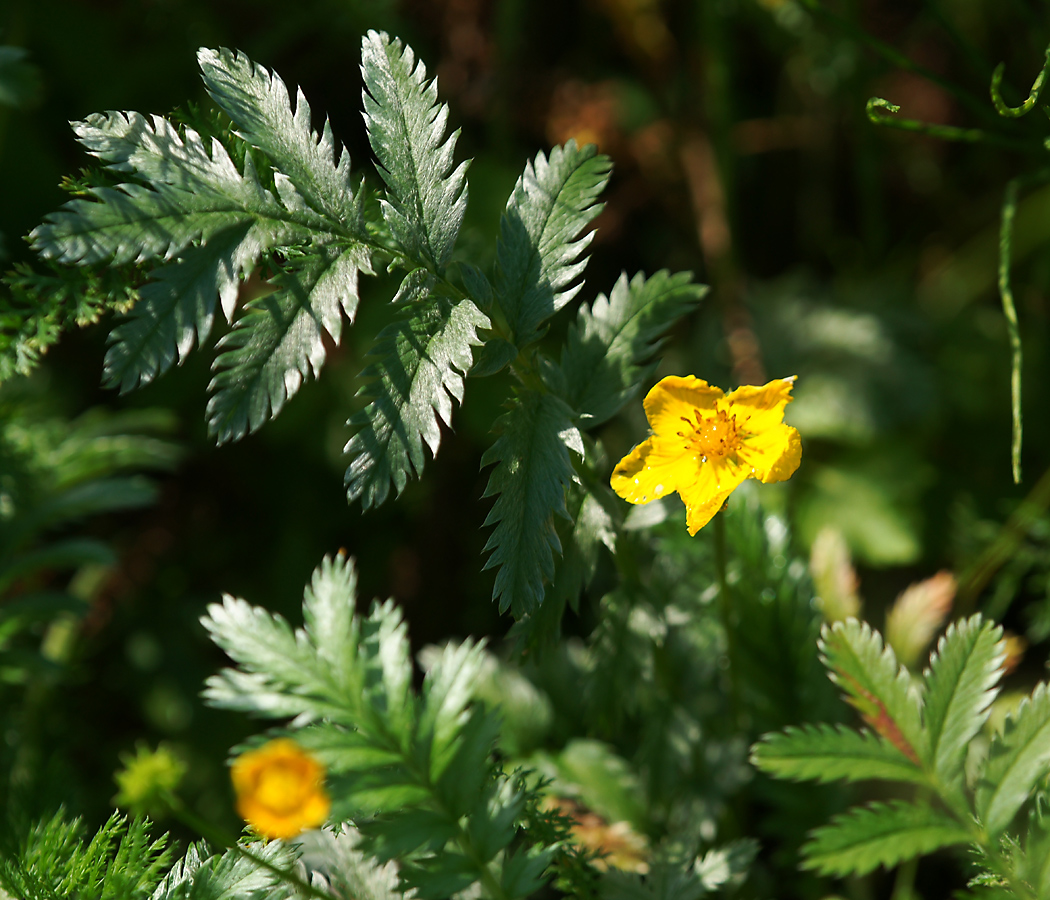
<point>880,689</point>
<point>612,339</point>
<point>426,198</point>
<point>532,473</point>
<point>881,834</point>
<point>1018,760</point>
<point>421,361</point>
<point>829,753</point>
<point>960,686</point>
<point>538,254</point>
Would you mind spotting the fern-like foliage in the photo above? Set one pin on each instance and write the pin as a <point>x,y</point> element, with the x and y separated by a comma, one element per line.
<point>36,307</point>
<point>538,253</point>
<point>921,731</point>
<point>412,769</point>
<point>54,862</point>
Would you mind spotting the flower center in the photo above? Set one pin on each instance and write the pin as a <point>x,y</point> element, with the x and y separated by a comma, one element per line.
<point>713,437</point>
<point>281,788</point>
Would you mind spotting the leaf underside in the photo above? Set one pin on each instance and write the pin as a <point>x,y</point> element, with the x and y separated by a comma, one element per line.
<point>532,473</point>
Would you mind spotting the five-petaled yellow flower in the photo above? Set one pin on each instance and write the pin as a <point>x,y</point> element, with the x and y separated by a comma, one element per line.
<point>704,444</point>
<point>280,789</point>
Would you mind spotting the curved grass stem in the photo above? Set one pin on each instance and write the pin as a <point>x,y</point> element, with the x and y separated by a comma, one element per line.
<point>943,132</point>
<point>1015,112</point>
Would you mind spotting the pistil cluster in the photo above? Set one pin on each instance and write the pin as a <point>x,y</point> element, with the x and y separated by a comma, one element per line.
<point>711,437</point>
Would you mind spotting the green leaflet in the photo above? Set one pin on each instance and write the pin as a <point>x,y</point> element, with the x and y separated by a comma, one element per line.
<point>406,128</point>
<point>310,171</point>
<point>881,834</point>
<point>421,360</point>
<point>537,257</point>
<point>960,686</point>
<point>1018,760</point>
<point>829,753</point>
<point>533,470</point>
<point>277,343</point>
<point>284,673</point>
<point>603,361</point>
<point>876,685</point>
<point>176,308</point>
<point>229,876</point>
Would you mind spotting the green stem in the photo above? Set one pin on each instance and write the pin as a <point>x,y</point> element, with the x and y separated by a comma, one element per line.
<point>1014,112</point>
<point>1006,232</point>
<point>220,838</point>
<point>904,883</point>
<point>944,132</point>
<point>725,606</point>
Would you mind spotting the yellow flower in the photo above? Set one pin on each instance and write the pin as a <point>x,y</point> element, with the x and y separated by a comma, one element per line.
<point>705,444</point>
<point>280,789</point>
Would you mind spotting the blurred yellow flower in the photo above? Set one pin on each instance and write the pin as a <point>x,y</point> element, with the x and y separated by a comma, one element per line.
<point>280,789</point>
<point>147,778</point>
<point>705,444</point>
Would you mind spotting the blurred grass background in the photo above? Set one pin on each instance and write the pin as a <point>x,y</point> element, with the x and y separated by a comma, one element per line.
<point>860,259</point>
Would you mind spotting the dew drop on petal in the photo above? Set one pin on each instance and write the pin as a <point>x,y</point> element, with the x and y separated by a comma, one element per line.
<point>703,459</point>
<point>660,487</point>
<point>636,481</point>
<point>752,470</point>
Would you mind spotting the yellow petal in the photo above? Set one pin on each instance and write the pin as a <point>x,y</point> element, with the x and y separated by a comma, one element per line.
<point>774,453</point>
<point>675,398</point>
<point>759,408</point>
<point>646,473</point>
<point>705,495</point>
